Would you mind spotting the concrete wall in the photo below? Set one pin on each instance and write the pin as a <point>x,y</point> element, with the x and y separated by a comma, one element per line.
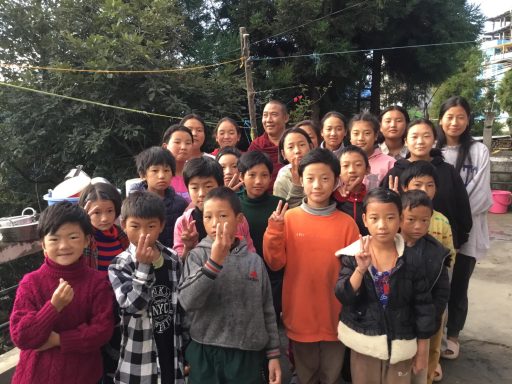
<point>501,172</point>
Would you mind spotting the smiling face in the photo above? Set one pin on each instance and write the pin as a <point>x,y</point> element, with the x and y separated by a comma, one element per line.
<point>353,167</point>
<point>274,120</point>
<point>415,223</point>
<point>295,146</point>
<point>256,181</point>
<point>66,245</point>
<point>229,164</point>
<point>454,122</point>
<point>227,135</point>
<point>382,221</point>
<point>318,181</point>
<point>102,214</point>
<point>393,125</point>
<point>363,136</point>
<point>180,146</point>
<point>134,227</point>
<point>219,211</point>
<point>420,140</point>
<point>333,132</point>
<point>158,178</point>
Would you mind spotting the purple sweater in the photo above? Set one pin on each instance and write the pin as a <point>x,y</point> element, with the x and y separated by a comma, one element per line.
<point>84,325</point>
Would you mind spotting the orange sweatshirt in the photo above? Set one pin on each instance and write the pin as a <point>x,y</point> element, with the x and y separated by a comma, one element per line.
<point>305,245</point>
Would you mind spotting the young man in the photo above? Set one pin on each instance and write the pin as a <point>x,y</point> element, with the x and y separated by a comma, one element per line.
<point>303,240</point>
<point>145,281</point>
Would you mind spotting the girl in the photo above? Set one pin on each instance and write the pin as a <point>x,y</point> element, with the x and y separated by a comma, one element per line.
<point>178,140</point>
<point>393,121</point>
<point>451,198</point>
<point>363,131</point>
<point>228,158</point>
<point>471,160</point>
<point>349,197</point>
<point>312,129</point>
<point>197,126</point>
<point>226,134</point>
<point>293,146</point>
<point>333,132</point>
<point>387,314</point>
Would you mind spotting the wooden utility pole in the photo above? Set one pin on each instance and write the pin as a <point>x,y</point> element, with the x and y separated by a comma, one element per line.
<point>246,57</point>
<point>489,120</point>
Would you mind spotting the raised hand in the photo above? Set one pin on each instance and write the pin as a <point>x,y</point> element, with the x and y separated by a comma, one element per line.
<point>235,183</point>
<point>189,235</point>
<point>294,170</point>
<point>144,252</point>
<point>224,237</point>
<point>278,214</point>
<point>62,296</point>
<point>394,183</point>
<point>345,188</point>
<point>363,257</point>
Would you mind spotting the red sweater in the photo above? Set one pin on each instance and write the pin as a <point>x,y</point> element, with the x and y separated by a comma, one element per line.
<point>263,144</point>
<point>84,325</point>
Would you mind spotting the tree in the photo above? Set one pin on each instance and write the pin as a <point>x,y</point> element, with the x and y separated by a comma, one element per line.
<point>504,93</point>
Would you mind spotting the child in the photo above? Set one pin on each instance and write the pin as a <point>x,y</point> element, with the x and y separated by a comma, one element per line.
<point>293,146</point>
<point>156,167</point>
<point>178,140</point>
<point>257,206</point>
<point>62,314</point>
<point>227,134</point>
<point>334,130</point>
<point>363,130</point>
<point>349,197</point>
<point>226,291</point>
<point>197,126</point>
<point>201,175</point>
<point>145,281</point>
<point>312,129</point>
<point>393,121</point>
<point>303,241</point>
<point>387,314</point>
<point>228,158</point>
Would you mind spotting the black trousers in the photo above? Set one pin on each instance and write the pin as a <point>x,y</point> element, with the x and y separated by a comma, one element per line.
<point>458,304</point>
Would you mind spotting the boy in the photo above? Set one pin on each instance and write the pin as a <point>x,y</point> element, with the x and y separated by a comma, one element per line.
<point>201,175</point>
<point>257,206</point>
<point>145,281</point>
<point>226,290</point>
<point>303,240</point>
<point>156,166</point>
<point>63,311</point>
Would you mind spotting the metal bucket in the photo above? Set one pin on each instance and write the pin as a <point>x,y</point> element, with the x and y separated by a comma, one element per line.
<point>21,228</point>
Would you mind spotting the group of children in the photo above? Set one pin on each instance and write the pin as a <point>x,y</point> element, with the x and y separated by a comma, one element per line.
<point>206,263</point>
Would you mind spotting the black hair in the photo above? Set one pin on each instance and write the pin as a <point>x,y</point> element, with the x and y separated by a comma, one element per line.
<point>225,194</point>
<point>101,191</point>
<point>418,169</point>
<point>253,158</point>
<point>283,106</point>
<point>143,205</point>
<point>313,124</point>
<point>418,122</point>
<point>154,156</point>
<point>203,167</point>
<point>230,120</point>
<point>367,117</point>
<point>320,155</point>
<point>334,114</point>
<point>280,156</point>
<point>354,149</point>
<point>64,212</point>
<point>228,151</point>
<point>175,128</point>
<point>416,198</point>
<point>398,108</point>
<point>195,116</point>
<point>382,195</point>
<point>465,139</point>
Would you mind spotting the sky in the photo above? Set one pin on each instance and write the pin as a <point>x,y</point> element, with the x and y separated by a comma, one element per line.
<point>492,8</point>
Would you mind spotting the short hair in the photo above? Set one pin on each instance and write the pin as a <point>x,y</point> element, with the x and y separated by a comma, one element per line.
<point>144,205</point>
<point>418,122</point>
<point>313,124</point>
<point>323,156</point>
<point>64,212</point>
<point>354,149</point>
<point>203,167</point>
<point>398,108</point>
<point>175,128</point>
<point>283,106</point>
<point>382,195</point>
<point>225,194</point>
<point>416,198</point>
<point>230,120</point>
<point>101,191</point>
<point>418,169</point>
<point>252,159</point>
<point>280,156</point>
<point>334,114</point>
<point>367,117</point>
<point>154,156</point>
<point>228,151</point>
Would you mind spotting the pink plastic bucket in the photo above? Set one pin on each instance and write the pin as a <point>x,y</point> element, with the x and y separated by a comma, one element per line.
<point>502,200</point>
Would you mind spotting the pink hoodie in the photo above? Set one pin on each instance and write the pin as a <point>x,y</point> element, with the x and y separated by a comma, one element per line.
<point>380,164</point>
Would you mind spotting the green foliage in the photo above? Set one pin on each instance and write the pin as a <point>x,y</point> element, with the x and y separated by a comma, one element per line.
<point>504,93</point>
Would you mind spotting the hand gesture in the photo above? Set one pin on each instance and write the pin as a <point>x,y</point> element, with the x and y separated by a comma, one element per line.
<point>274,371</point>
<point>294,170</point>
<point>53,341</point>
<point>144,252</point>
<point>62,296</point>
<point>224,237</point>
<point>278,214</point>
<point>87,207</point>
<point>189,235</point>
<point>363,257</point>
<point>345,188</point>
<point>235,183</point>
<point>394,183</point>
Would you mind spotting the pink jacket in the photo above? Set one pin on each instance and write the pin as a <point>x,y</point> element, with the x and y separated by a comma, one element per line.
<point>380,164</point>
<point>242,231</point>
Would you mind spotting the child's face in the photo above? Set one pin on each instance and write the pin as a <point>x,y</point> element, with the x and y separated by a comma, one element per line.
<point>423,183</point>
<point>229,164</point>
<point>353,167</point>
<point>363,136</point>
<point>318,181</point>
<point>256,181</point>
<point>227,135</point>
<point>219,211</point>
<point>198,187</point>
<point>66,245</point>
<point>420,140</point>
<point>158,178</point>
<point>454,122</point>
<point>333,132</point>
<point>102,214</point>
<point>415,223</point>
<point>198,134</point>
<point>311,133</point>
<point>134,227</point>
<point>295,147</point>
<point>393,125</point>
<point>382,221</point>
<point>180,145</point>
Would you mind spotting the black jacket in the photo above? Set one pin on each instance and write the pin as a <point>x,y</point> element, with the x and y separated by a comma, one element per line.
<point>451,197</point>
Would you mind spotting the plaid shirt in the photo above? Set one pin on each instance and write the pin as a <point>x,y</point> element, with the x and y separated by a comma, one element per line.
<point>91,252</point>
<point>132,282</point>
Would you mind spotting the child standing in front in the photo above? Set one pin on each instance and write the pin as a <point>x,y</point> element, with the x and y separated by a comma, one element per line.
<point>145,280</point>
<point>228,158</point>
<point>62,314</point>
<point>303,241</point>
<point>226,291</point>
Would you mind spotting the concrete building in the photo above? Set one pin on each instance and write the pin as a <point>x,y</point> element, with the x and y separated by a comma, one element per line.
<point>497,46</point>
